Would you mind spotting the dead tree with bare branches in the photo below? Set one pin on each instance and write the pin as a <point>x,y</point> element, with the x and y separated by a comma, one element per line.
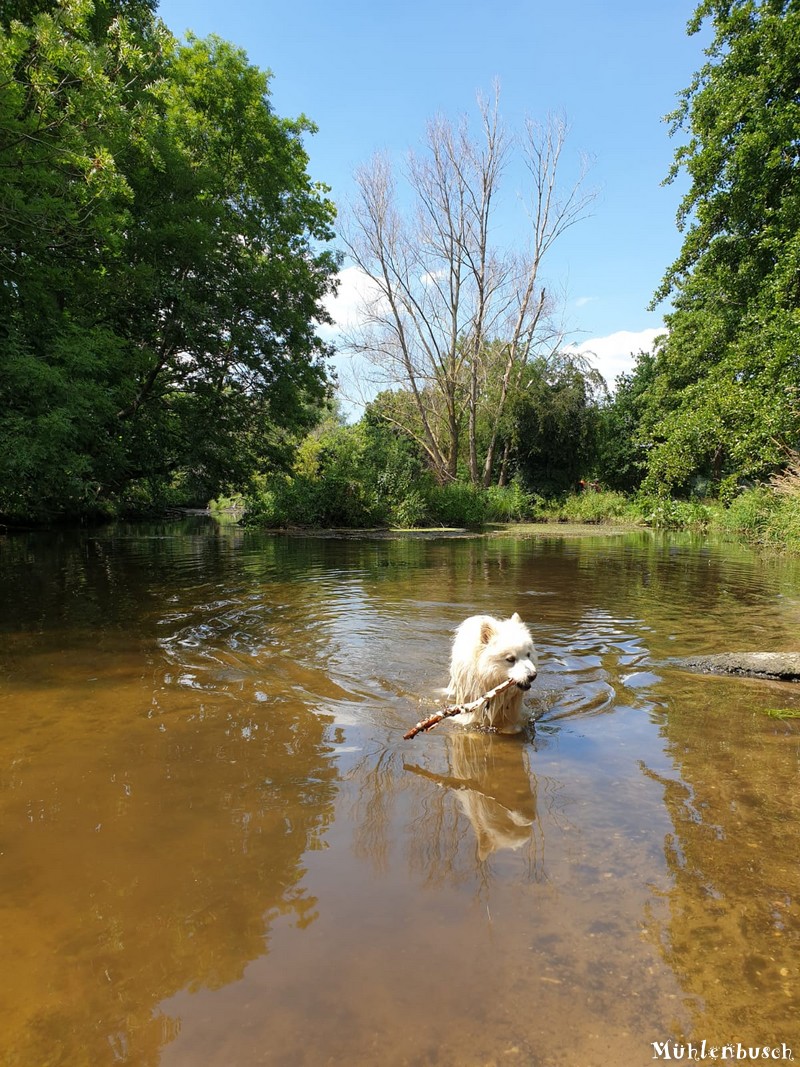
<point>444,293</point>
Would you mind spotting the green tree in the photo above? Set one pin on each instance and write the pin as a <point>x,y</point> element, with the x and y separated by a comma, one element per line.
<point>555,427</point>
<point>334,482</point>
<point>398,465</point>
<point>228,271</point>
<point>726,396</point>
<point>69,105</point>
<point>622,444</point>
<point>161,271</point>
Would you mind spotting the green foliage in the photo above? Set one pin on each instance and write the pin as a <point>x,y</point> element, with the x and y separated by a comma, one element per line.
<point>640,509</point>
<point>457,504</point>
<point>336,501</point>
<point>461,504</point>
<point>160,279</point>
<point>329,486</point>
<point>727,427</point>
<point>622,449</point>
<point>555,423</point>
<point>227,504</point>
<point>751,512</point>
<point>333,500</point>
<point>410,511</point>
<point>666,514</point>
<point>508,503</point>
<point>370,474</point>
<point>595,507</point>
<point>765,518</point>
<point>589,507</point>
<point>394,464</point>
<point>725,398</point>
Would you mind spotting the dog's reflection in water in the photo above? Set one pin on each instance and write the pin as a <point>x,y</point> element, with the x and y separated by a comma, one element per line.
<point>492,784</point>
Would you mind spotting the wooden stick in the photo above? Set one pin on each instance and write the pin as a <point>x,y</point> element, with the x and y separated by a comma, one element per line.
<point>457,709</point>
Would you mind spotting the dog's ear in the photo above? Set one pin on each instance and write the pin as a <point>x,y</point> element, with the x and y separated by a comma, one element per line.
<point>515,618</point>
<point>487,631</point>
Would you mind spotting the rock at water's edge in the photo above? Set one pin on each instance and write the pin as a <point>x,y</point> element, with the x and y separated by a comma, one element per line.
<point>784,666</point>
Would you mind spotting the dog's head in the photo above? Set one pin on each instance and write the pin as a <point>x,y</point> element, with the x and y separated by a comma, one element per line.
<point>508,647</point>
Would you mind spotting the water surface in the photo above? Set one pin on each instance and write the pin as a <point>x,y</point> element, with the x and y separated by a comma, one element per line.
<point>216,850</point>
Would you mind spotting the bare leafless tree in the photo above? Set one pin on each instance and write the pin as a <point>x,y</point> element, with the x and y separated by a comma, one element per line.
<point>442,292</point>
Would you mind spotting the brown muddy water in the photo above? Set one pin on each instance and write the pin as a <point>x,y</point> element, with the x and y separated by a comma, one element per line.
<point>216,850</point>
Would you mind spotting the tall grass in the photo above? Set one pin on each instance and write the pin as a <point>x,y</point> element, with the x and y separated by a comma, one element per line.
<point>764,517</point>
<point>591,507</point>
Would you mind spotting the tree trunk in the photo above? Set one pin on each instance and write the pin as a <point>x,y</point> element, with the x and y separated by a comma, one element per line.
<point>504,464</point>
<point>474,471</point>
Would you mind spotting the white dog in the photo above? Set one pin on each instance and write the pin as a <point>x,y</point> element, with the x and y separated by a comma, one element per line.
<point>486,652</point>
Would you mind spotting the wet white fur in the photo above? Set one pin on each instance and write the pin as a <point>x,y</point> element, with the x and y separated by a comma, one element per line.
<point>486,652</point>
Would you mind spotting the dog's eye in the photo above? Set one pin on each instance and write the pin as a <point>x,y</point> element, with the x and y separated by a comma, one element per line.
<point>511,659</point>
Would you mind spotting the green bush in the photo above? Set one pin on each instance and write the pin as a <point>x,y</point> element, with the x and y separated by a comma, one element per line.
<point>278,502</point>
<point>595,507</point>
<point>667,514</point>
<point>750,512</point>
<point>589,507</point>
<point>457,504</point>
<point>224,504</point>
<point>508,503</point>
<point>411,511</point>
<point>764,517</point>
<point>784,529</point>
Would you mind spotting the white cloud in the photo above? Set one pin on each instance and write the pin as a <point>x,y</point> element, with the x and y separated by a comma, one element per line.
<point>582,301</point>
<point>614,355</point>
<point>348,309</point>
<point>432,276</point>
<point>356,290</point>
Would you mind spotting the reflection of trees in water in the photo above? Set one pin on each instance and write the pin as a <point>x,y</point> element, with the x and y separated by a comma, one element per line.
<point>705,593</point>
<point>733,933</point>
<point>482,801</point>
<point>154,829</point>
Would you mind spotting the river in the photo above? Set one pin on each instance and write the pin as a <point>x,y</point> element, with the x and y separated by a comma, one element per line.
<point>217,850</point>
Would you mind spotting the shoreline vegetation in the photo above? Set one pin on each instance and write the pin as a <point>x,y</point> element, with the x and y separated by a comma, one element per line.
<point>762,516</point>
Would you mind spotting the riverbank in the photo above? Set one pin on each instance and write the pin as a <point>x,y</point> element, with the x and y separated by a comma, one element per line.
<point>762,516</point>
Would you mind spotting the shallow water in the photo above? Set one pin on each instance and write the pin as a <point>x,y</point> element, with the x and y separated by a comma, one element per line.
<point>216,850</point>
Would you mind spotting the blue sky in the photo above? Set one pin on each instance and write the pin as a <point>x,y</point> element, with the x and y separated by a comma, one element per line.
<point>371,75</point>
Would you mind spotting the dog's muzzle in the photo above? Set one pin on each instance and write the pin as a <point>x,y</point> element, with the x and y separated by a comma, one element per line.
<point>526,684</point>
